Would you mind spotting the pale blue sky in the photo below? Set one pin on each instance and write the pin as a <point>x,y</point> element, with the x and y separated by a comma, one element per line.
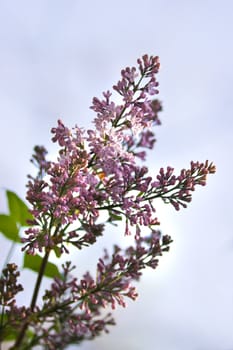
<point>55,56</point>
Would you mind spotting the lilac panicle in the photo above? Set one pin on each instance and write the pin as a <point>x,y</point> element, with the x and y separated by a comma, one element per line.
<point>97,170</point>
<point>177,190</point>
<point>73,309</point>
<point>9,285</point>
<point>94,169</point>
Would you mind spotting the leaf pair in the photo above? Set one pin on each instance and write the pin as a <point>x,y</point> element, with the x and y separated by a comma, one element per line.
<point>10,226</point>
<point>18,217</point>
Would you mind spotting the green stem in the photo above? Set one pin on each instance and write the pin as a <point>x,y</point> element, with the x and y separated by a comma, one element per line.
<point>39,279</point>
<point>36,290</point>
<point>33,301</point>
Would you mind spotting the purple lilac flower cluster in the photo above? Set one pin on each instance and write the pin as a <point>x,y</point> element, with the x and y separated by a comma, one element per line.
<point>97,171</point>
<point>72,309</point>
<point>9,286</point>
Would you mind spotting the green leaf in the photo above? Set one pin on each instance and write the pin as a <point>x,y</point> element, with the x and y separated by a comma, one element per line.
<point>33,262</point>
<point>9,332</point>
<point>18,209</point>
<point>9,228</point>
<point>114,217</point>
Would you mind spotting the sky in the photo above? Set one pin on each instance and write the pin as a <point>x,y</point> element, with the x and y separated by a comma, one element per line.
<point>55,56</point>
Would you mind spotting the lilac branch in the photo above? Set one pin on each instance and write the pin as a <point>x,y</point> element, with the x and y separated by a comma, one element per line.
<point>95,171</point>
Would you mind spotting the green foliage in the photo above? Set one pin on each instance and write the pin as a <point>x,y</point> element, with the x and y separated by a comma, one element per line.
<point>18,217</point>
<point>18,209</point>
<point>33,262</point>
<point>8,228</point>
<point>57,251</point>
<point>7,331</point>
<point>114,217</point>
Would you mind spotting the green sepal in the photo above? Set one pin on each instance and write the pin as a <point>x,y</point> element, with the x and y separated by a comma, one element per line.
<point>57,251</point>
